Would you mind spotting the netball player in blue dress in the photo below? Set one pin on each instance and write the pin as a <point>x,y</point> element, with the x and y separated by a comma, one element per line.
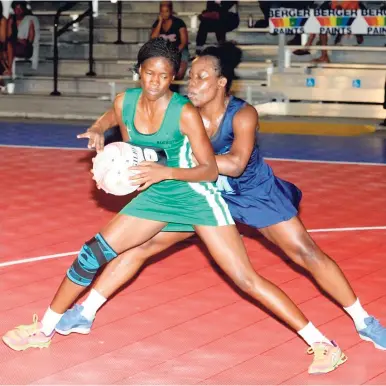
<point>255,196</point>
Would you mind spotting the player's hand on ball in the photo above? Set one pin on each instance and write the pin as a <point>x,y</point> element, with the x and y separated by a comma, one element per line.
<point>149,173</point>
<point>95,139</point>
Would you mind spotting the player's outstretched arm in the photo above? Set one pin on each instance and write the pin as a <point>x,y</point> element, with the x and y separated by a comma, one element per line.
<point>95,133</point>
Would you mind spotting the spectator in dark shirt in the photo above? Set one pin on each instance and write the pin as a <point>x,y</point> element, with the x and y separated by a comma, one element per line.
<point>219,17</point>
<point>173,29</point>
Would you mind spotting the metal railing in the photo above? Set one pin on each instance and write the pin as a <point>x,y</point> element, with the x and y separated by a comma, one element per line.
<point>119,23</point>
<point>58,32</point>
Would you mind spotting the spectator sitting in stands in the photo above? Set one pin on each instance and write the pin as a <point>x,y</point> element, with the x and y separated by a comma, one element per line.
<point>22,29</point>
<point>173,29</point>
<point>265,7</point>
<point>219,17</point>
<point>3,39</point>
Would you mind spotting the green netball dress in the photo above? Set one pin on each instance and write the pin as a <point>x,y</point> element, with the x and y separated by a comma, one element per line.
<point>172,201</point>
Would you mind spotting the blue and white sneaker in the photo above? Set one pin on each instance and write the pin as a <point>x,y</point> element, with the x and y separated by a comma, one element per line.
<point>73,321</point>
<point>374,332</point>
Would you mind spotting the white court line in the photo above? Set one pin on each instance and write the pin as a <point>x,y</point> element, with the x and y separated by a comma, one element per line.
<point>47,257</point>
<point>44,147</point>
<point>380,228</point>
<point>267,158</point>
<point>326,162</point>
<point>33,259</point>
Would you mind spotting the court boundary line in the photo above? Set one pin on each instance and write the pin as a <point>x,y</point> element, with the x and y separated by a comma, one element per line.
<point>66,254</point>
<point>45,147</point>
<point>325,162</point>
<point>266,158</point>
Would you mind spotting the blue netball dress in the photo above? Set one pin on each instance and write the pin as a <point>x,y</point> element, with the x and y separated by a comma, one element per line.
<point>256,198</point>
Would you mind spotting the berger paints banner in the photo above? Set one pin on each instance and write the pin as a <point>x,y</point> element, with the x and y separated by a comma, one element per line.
<point>288,21</point>
<point>374,20</point>
<point>328,21</point>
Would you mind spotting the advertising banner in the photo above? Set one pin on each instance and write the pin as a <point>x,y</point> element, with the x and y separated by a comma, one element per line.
<point>328,21</point>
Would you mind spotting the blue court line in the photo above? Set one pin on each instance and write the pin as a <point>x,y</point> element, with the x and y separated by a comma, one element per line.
<point>367,148</point>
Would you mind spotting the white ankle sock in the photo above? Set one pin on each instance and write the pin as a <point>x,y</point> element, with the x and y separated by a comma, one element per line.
<point>312,335</point>
<point>358,314</point>
<point>92,304</point>
<point>49,321</point>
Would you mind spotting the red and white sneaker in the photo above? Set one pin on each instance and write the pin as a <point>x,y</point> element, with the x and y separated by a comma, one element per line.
<point>27,336</point>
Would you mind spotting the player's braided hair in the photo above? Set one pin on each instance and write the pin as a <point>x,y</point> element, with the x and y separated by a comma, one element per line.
<point>159,47</point>
<point>228,57</point>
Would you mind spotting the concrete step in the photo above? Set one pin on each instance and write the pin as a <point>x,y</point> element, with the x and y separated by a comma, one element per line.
<point>144,7</point>
<point>246,70</point>
<point>101,50</point>
<point>141,35</point>
<point>178,6</point>
<point>141,6</point>
<point>258,53</point>
<point>71,106</point>
<point>102,87</point>
<point>128,6</point>
<point>45,106</point>
<point>76,68</point>
<point>135,20</point>
<point>113,68</point>
<point>153,6</point>
<point>71,85</point>
<point>101,35</point>
<point>130,51</point>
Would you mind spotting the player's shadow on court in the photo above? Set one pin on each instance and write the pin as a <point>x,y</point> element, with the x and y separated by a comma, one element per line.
<point>195,240</point>
<point>255,235</point>
<point>247,233</point>
<point>109,202</point>
<point>155,259</point>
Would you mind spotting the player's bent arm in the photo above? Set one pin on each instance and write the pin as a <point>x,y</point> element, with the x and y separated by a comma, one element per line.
<point>245,123</point>
<point>191,125</point>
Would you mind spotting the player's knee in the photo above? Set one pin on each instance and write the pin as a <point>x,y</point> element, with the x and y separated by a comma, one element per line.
<point>247,281</point>
<point>93,255</point>
<point>139,255</point>
<point>142,253</point>
<point>309,254</point>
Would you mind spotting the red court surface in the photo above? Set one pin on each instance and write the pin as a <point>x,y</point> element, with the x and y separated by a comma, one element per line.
<point>180,322</point>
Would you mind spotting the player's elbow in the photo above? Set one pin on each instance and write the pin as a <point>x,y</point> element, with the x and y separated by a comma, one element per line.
<point>237,170</point>
<point>212,172</point>
<point>233,165</point>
